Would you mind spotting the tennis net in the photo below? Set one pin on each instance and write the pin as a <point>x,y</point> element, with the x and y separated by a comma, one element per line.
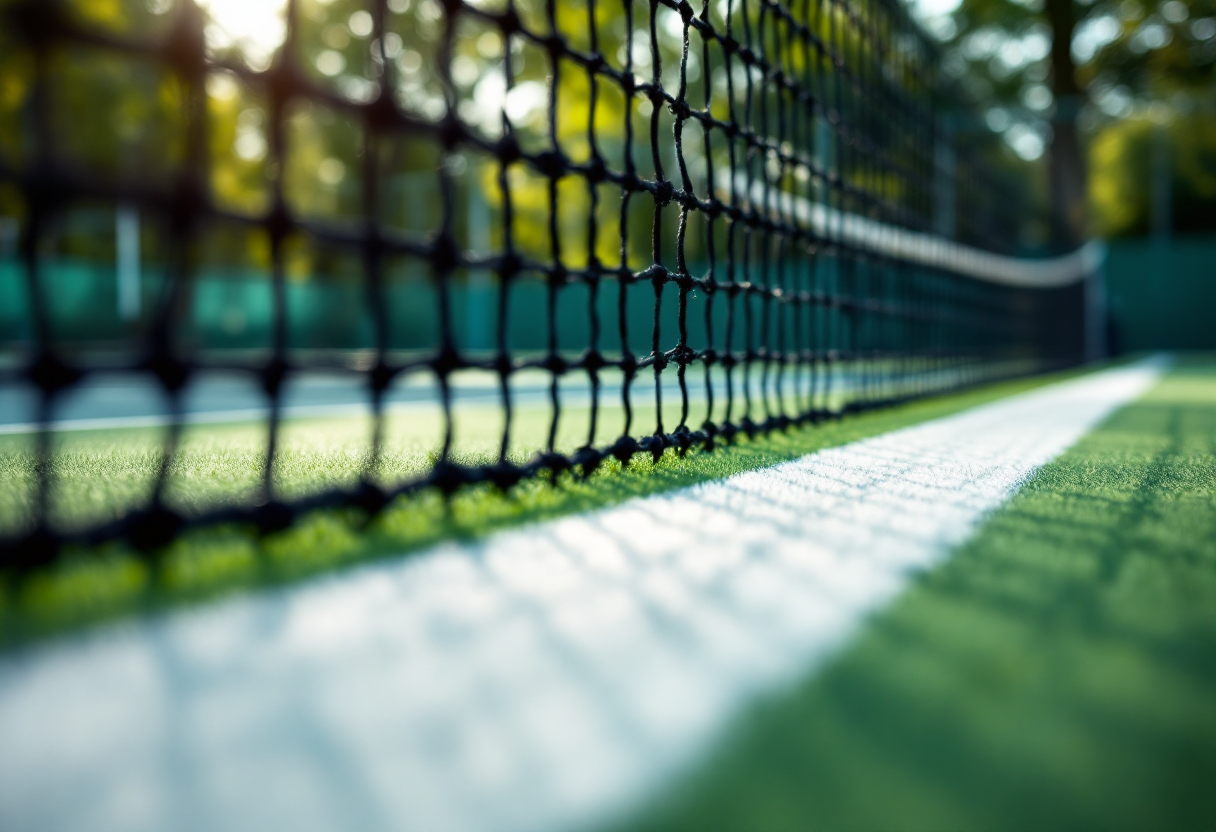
<point>717,219</point>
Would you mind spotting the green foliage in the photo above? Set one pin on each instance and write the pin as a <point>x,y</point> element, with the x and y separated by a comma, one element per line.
<point>1056,673</point>
<point>1125,50</point>
<point>1130,56</point>
<point>1121,156</point>
<point>1158,48</point>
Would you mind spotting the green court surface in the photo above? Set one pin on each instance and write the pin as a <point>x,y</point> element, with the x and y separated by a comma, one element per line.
<point>1058,672</point>
<point>101,472</point>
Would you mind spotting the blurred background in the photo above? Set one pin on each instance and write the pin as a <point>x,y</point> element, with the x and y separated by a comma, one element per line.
<point>1115,104</point>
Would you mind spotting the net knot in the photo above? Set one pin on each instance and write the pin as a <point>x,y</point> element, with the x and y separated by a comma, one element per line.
<point>447,476</point>
<point>551,163</point>
<point>654,445</point>
<point>502,365</point>
<point>587,459</point>
<point>624,448</point>
<point>749,427</point>
<point>278,221</point>
<point>555,45</point>
<point>663,193</point>
<point>381,113</point>
<point>554,462</point>
<point>153,528</point>
<point>593,361</point>
<point>508,149</point>
<point>50,374</point>
<point>273,376</point>
<point>272,517</point>
<point>188,200</point>
<point>381,376</point>
<point>169,371</point>
<point>683,439</point>
<point>445,254</point>
<point>369,497</point>
<point>504,475</point>
<point>509,265</point>
<point>452,132</point>
<point>596,171</point>
<point>446,361</point>
<point>657,275</point>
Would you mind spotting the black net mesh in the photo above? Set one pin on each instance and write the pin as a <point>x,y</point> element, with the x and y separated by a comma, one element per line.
<point>693,221</point>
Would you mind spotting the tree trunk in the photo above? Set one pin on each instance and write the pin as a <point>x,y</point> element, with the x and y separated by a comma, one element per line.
<point>1070,216</point>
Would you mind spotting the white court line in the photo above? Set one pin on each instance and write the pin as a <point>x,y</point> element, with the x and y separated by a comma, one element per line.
<point>250,414</point>
<point>574,394</point>
<point>532,681</point>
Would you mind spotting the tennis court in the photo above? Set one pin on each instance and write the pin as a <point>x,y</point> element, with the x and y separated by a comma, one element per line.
<point>510,416</point>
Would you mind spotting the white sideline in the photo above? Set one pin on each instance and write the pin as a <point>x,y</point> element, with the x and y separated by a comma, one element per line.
<point>539,680</point>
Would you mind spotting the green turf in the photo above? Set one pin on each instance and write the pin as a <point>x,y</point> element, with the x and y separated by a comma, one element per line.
<point>1058,672</point>
<point>102,472</point>
<point>100,475</point>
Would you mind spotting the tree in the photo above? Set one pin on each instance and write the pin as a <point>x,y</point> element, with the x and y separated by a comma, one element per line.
<point>1056,73</point>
